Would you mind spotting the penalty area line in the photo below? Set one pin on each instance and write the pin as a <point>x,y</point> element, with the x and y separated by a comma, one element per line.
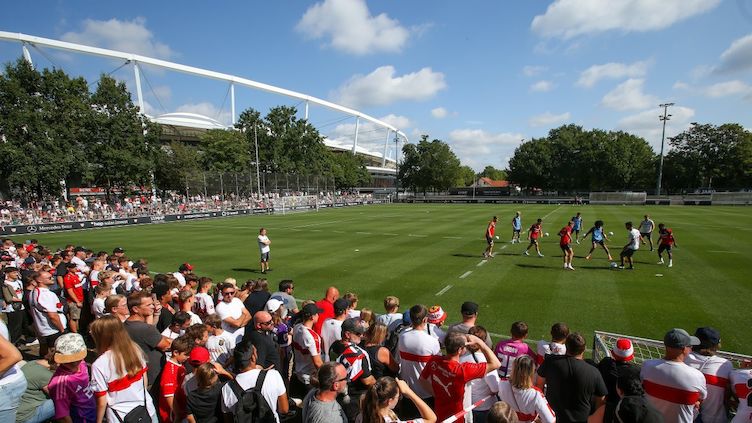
<point>466,274</point>
<point>443,290</point>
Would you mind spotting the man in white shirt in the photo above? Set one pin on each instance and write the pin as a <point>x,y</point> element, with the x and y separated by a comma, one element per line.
<point>646,231</point>
<point>183,270</point>
<point>717,371</point>
<point>416,347</point>
<point>331,330</point>
<point>633,244</point>
<point>307,349</point>
<point>47,311</point>
<point>263,244</point>
<point>231,310</point>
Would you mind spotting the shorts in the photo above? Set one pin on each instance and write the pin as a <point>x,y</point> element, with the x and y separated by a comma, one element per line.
<point>533,241</point>
<point>74,311</point>
<point>662,248</point>
<point>264,257</point>
<point>627,252</point>
<point>647,235</point>
<point>489,240</point>
<point>516,231</point>
<point>599,242</point>
<point>565,247</point>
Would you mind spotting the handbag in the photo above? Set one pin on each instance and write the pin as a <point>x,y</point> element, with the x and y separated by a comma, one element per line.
<point>139,414</point>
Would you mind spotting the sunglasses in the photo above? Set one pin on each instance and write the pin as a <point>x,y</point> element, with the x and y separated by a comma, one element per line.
<point>228,293</point>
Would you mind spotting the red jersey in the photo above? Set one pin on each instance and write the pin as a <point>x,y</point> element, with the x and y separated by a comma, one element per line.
<point>326,314</point>
<point>448,379</point>
<point>667,237</point>
<point>72,281</point>
<point>566,235</point>
<point>170,383</point>
<point>491,229</point>
<point>535,231</point>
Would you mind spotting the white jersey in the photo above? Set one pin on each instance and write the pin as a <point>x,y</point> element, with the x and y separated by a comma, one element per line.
<point>221,347</point>
<point>262,244</point>
<point>416,347</point>
<point>272,388</point>
<point>123,393</point>
<point>548,347</point>
<point>673,388</point>
<point>634,239</point>
<point>716,370</point>
<point>483,387</point>
<point>97,307</point>
<point>195,320</point>
<point>204,304</point>
<point>528,404</point>
<point>741,383</point>
<point>181,279</point>
<point>306,344</point>
<point>44,301</point>
<point>647,226</point>
<point>232,309</point>
<point>331,332</point>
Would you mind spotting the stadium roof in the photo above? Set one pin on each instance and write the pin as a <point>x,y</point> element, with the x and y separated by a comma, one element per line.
<point>188,120</point>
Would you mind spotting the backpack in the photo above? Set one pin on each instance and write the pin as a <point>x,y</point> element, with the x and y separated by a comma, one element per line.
<point>252,406</point>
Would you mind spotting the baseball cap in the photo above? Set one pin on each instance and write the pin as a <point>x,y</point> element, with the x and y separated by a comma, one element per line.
<point>198,356</point>
<point>341,305</point>
<point>353,326</point>
<point>185,266</point>
<point>69,348</point>
<point>469,308</point>
<point>623,350</point>
<point>117,250</point>
<point>29,261</point>
<point>708,336</point>
<point>310,310</point>
<point>436,315</point>
<point>10,269</point>
<point>679,338</point>
<point>273,305</point>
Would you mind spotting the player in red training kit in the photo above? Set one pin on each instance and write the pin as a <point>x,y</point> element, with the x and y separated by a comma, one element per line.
<point>666,244</point>
<point>490,231</point>
<point>566,245</point>
<point>533,234</point>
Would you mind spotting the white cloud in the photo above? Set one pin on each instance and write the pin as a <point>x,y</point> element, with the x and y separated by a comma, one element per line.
<point>382,87</point>
<point>350,27</point>
<point>647,125</point>
<point>629,96</point>
<point>478,148</point>
<point>127,36</point>
<point>590,76</point>
<point>548,119</point>
<point>439,113</point>
<point>728,88</point>
<point>370,136</point>
<point>680,85</point>
<point>570,18</point>
<point>542,86</point>
<point>738,57</point>
<point>533,70</point>
<point>207,109</point>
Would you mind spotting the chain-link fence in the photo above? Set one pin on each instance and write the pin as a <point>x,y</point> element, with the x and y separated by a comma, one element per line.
<point>246,184</point>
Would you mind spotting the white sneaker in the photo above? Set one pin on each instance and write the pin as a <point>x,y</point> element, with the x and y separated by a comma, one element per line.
<point>540,255</point>
<point>578,242</point>
<point>527,253</point>
<point>660,262</point>
<point>671,263</point>
<point>34,342</point>
<point>570,267</point>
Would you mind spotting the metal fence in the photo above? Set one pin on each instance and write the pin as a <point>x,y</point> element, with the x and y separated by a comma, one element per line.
<point>245,184</point>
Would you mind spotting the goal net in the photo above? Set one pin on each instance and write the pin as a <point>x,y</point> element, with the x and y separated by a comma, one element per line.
<point>295,203</point>
<point>646,349</point>
<point>618,197</point>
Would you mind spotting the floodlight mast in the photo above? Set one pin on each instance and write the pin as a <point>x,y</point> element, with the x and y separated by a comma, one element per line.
<point>663,118</point>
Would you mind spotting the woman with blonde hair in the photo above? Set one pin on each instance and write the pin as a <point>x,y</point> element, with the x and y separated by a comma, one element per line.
<point>381,398</point>
<point>119,374</point>
<point>382,362</point>
<point>524,399</point>
<point>117,305</point>
<point>203,403</point>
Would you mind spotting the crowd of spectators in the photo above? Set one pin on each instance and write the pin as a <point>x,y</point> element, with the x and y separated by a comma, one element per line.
<point>80,208</point>
<point>119,345</point>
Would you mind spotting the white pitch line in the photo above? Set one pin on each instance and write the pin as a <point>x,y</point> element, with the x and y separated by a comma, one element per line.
<point>452,237</point>
<point>724,252</point>
<point>466,274</point>
<point>418,236</point>
<point>338,232</point>
<point>502,247</point>
<point>363,233</point>
<point>482,262</point>
<point>391,234</point>
<point>550,213</point>
<point>443,290</point>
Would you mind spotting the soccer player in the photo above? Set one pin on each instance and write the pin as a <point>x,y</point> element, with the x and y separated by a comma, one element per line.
<point>565,243</point>
<point>667,241</point>
<point>598,236</point>
<point>633,244</point>
<point>263,243</point>
<point>516,228</point>
<point>490,230</point>
<point>646,231</point>
<point>532,235</point>
<point>577,226</point>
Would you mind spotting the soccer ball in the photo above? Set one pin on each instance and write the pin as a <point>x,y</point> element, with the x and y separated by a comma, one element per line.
<point>611,233</point>
<point>614,265</point>
<point>546,234</point>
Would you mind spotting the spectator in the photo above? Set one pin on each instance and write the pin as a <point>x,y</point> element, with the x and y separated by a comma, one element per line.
<point>12,293</point>
<point>12,381</point>
<point>204,303</point>
<point>162,292</point>
<point>436,318</point>
<point>204,403</point>
<point>574,387</point>
<point>186,300</point>
<point>484,388</point>
<point>198,334</point>
<point>231,310</point>
<point>221,343</point>
<point>622,354</point>
<point>101,292</point>
<point>518,391</point>
<point>357,364</point>
<point>381,399</point>
<point>49,319</point>
<point>331,330</point>
<point>172,376</point>
<point>272,385</point>
<point>501,412</point>
<point>307,349</point>
<point>510,349</point>
<point>258,297</point>
<point>352,308</point>
<point>382,361</point>
<point>559,333</point>
<point>367,317</point>
<point>35,405</point>
<point>469,311</point>
<point>448,376</point>
<point>741,381</point>
<point>183,270</point>
<point>117,305</point>
<point>146,336</point>
<point>392,317</point>
<point>69,387</point>
<point>327,305</point>
<point>320,405</point>
<point>181,321</point>
<point>260,335</point>
<point>286,287</point>
<point>119,373</point>
<point>717,372</point>
<point>633,406</point>
<point>672,387</point>
<point>416,347</point>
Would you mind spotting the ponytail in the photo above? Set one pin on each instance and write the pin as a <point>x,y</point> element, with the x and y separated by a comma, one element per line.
<point>377,398</point>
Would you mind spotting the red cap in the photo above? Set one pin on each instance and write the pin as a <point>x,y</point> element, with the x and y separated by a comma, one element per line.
<point>198,356</point>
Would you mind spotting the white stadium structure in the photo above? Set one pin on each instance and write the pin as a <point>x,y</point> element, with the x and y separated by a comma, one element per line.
<point>378,144</point>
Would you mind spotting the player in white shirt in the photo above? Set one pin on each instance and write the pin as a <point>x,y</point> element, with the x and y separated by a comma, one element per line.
<point>633,244</point>
<point>741,383</point>
<point>717,371</point>
<point>416,347</point>
<point>672,387</point>
<point>646,232</point>
<point>221,343</point>
<point>264,249</point>
<point>231,310</point>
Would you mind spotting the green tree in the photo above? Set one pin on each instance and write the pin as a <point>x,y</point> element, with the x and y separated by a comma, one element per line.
<point>493,173</point>
<point>466,176</point>
<point>429,165</point>
<point>530,166</point>
<point>349,170</point>
<point>176,166</point>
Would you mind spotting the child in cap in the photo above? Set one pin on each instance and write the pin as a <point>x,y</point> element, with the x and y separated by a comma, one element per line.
<point>436,318</point>
<point>622,354</point>
<point>69,387</point>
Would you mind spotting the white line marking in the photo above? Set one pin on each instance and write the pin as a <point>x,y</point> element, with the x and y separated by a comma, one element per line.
<point>443,290</point>
<point>315,230</point>
<point>391,234</point>
<point>724,252</point>
<point>482,262</point>
<point>363,233</point>
<point>466,274</point>
<point>502,247</point>
<point>338,232</point>
<point>418,236</point>
<point>551,212</point>
<point>452,237</point>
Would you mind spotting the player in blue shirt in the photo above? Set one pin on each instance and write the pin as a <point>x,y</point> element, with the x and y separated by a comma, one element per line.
<point>577,226</point>
<point>598,237</point>
<point>516,228</point>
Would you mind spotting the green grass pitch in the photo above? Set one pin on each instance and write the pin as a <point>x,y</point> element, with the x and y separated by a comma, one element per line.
<point>431,254</point>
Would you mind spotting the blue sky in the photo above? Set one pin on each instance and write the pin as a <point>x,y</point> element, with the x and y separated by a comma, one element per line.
<point>480,75</point>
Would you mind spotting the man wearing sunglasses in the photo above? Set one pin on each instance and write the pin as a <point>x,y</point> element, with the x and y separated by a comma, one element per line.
<point>231,310</point>
<point>261,337</point>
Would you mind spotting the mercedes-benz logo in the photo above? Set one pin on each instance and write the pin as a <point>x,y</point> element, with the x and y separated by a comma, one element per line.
<point>31,229</point>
